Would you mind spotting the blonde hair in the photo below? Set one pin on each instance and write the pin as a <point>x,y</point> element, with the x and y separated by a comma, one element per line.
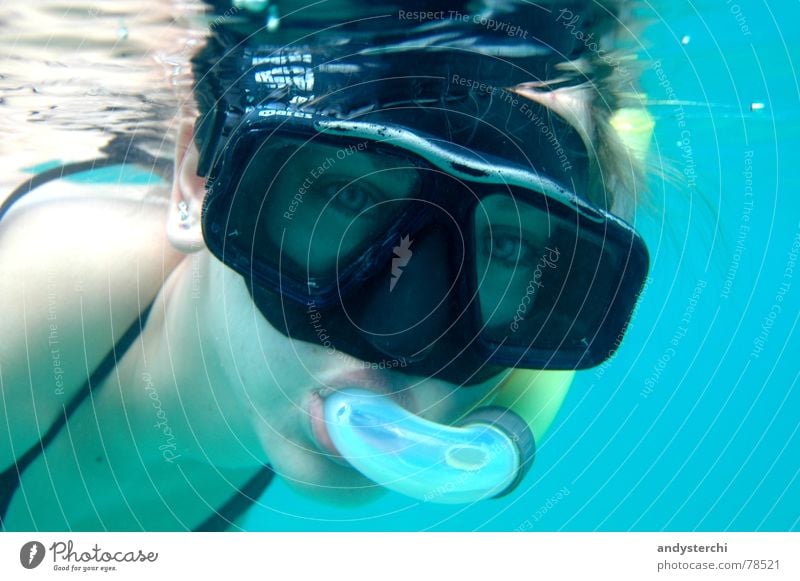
<point>605,105</point>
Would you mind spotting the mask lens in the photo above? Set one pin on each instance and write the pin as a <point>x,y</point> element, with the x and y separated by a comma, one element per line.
<point>543,279</point>
<point>320,204</point>
<point>549,282</point>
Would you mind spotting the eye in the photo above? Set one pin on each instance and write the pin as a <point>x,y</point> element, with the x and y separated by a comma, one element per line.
<point>507,248</point>
<point>351,200</point>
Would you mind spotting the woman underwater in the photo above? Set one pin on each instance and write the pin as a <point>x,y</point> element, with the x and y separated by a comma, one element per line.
<point>391,241</point>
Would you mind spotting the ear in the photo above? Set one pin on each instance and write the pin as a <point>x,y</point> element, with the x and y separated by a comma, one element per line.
<point>188,190</point>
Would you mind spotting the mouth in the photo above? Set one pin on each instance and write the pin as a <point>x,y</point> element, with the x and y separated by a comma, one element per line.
<point>362,422</point>
<point>319,433</point>
<point>377,383</point>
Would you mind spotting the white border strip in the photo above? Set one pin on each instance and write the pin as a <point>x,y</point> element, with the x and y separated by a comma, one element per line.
<point>408,556</point>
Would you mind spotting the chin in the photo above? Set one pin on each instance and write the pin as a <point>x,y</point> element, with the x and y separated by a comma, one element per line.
<point>330,483</point>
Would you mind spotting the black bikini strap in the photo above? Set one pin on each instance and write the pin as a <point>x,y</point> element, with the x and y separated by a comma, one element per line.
<point>117,151</point>
<point>238,503</point>
<point>10,478</point>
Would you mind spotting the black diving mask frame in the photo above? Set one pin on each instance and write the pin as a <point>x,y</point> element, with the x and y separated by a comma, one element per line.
<point>246,230</point>
<point>476,199</point>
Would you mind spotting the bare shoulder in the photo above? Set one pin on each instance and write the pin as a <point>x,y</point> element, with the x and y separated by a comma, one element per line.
<point>74,274</point>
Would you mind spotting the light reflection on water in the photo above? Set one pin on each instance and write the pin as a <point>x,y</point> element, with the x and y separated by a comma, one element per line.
<point>75,73</point>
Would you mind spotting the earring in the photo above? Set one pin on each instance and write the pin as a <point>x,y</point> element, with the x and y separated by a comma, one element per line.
<point>183,210</point>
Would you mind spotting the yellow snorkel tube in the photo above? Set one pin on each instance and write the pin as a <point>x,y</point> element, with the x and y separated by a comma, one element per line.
<point>535,396</point>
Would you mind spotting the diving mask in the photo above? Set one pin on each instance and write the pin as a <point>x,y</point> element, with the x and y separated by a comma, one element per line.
<point>445,235</point>
<point>331,215</point>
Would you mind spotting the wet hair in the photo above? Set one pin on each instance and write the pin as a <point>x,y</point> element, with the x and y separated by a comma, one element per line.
<point>596,78</point>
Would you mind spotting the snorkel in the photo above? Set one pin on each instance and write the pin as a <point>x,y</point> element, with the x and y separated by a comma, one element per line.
<point>487,452</point>
<point>485,455</point>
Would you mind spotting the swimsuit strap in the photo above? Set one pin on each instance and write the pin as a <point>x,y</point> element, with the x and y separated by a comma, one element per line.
<point>239,502</point>
<point>10,479</point>
<point>118,151</point>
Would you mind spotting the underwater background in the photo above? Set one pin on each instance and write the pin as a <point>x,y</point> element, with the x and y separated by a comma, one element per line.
<point>693,425</point>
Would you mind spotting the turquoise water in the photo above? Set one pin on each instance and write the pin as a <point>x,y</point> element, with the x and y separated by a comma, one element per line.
<point>694,424</point>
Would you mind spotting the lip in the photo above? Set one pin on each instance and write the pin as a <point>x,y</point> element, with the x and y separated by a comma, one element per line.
<point>374,381</point>
<point>319,433</point>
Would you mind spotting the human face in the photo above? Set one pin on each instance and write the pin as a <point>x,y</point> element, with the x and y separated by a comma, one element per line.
<point>278,380</point>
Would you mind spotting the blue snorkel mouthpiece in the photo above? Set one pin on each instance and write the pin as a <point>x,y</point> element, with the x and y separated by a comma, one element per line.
<point>485,456</point>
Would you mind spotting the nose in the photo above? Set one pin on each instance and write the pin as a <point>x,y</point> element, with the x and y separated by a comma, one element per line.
<point>408,307</point>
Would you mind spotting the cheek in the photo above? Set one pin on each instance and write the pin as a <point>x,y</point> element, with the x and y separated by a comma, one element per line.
<point>277,377</point>
<point>284,432</point>
<point>272,369</point>
<point>274,376</point>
